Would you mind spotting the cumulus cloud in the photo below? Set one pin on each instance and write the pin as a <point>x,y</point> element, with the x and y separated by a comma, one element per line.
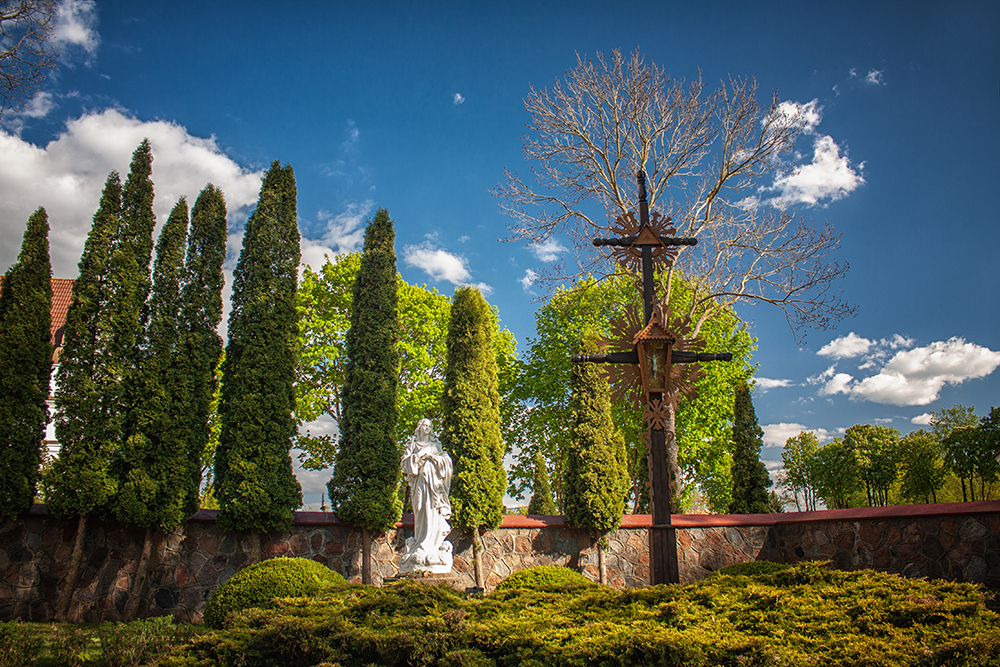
<point>809,114</point>
<point>915,376</point>
<point>922,420</point>
<point>874,77</point>
<point>76,29</point>
<point>66,176</point>
<point>775,435</point>
<point>851,345</point>
<point>768,383</point>
<point>342,233</point>
<point>528,280</point>
<point>458,99</point>
<point>547,250</point>
<point>438,264</point>
<point>828,177</point>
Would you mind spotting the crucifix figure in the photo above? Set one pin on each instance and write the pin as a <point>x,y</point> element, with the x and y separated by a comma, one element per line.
<point>656,347</point>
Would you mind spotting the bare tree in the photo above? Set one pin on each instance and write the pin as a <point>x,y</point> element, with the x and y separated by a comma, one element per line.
<point>706,155</point>
<point>27,49</point>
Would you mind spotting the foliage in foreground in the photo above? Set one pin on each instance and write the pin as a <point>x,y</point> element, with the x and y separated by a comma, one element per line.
<point>800,615</point>
<point>256,585</point>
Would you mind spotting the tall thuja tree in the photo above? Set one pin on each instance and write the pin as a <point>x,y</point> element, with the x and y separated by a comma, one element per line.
<point>153,462</point>
<point>541,490</point>
<point>25,367</point>
<point>200,344</point>
<point>750,478</point>
<point>367,473</point>
<point>471,415</point>
<point>597,480</point>
<point>254,483</point>
<point>87,419</point>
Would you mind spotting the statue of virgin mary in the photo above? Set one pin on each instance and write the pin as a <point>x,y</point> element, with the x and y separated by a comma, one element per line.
<point>428,473</point>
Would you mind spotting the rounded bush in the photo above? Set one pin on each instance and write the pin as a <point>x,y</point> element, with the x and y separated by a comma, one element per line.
<point>753,568</point>
<point>258,584</point>
<point>544,576</point>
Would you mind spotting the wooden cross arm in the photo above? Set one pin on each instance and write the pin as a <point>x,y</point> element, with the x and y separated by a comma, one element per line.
<point>627,241</point>
<point>676,356</point>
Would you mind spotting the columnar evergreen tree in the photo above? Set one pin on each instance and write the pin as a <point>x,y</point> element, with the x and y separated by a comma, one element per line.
<point>87,419</point>
<point>254,482</point>
<point>200,344</point>
<point>25,367</point>
<point>366,478</point>
<point>541,491</point>
<point>471,415</point>
<point>750,478</point>
<point>153,465</point>
<point>596,480</point>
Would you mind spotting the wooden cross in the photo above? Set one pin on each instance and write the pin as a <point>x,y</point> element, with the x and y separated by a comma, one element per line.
<point>653,350</point>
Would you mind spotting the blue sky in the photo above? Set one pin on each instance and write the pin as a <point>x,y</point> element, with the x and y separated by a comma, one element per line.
<point>417,107</point>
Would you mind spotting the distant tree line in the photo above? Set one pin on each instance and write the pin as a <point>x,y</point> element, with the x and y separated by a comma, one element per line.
<point>873,465</point>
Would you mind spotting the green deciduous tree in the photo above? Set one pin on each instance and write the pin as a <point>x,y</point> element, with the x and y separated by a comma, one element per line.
<point>541,490</point>
<point>471,419</point>
<point>325,314</point>
<point>254,482</point>
<point>922,467</point>
<point>838,479</point>
<point>750,478</point>
<point>876,452</point>
<point>25,367</point>
<point>798,458</point>
<point>364,488</point>
<point>200,344</point>
<point>969,453</point>
<point>542,393</point>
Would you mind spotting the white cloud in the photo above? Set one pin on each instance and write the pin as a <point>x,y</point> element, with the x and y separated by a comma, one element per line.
<point>66,176</point>
<point>874,77</point>
<point>922,420</point>
<point>828,176</point>
<point>458,99</point>
<point>845,347</point>
<point>547,250</point>
<point>915,376</point>
<point>528,280</point>
<point>463,238</point>
<point>76,28</point>
<point>767,383</point>
<point>809,114</point>
<point>39,106</point>
<point>775,435</point>
<point>344,232</point>
<point>438,264</point>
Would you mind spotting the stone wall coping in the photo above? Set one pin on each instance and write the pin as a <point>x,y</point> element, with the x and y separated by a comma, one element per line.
<point>678,520</point>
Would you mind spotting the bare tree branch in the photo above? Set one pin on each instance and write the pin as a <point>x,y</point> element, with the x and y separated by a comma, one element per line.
<point>706,155</point>
<point>27,50</point>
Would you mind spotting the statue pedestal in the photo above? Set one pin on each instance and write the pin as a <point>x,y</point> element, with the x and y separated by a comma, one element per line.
<point>455,581</point>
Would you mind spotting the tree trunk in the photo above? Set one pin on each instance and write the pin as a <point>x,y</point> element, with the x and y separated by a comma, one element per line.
<point>675,469</point>
<point>254,556</point>
<point>139,582</point>
<point>73,573</point>
<point>366,557</point>
<point>477,557</point>
<point>602,567</point>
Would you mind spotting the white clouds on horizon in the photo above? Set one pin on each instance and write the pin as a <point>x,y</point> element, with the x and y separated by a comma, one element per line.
<point>912,376</point>
<point>67,175</point>
<point>775,435</point>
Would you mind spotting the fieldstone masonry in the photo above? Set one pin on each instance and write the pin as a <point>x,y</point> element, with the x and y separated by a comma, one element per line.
<point>959,542</point>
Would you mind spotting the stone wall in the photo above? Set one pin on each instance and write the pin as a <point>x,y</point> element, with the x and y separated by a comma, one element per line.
<point>959,541</point>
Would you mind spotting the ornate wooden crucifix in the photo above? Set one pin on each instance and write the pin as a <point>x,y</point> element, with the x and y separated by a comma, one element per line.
<point>656,347</point>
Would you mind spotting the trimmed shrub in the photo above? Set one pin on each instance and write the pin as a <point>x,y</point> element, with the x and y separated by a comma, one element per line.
<point>18,646</point>
<point>258,584</point>
<point>544,576</point>
<point>753,568</point>
<point>140,642</point>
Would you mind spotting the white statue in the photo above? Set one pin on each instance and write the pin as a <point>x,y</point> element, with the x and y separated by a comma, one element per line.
<point>428,472</point>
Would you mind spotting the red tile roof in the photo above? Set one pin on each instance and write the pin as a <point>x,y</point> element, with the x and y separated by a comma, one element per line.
<point>62,295</point>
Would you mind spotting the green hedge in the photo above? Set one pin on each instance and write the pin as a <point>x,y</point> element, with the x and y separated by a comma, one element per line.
<point>801,615</point>
<point>543,576</point>
<point>258,584</point>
